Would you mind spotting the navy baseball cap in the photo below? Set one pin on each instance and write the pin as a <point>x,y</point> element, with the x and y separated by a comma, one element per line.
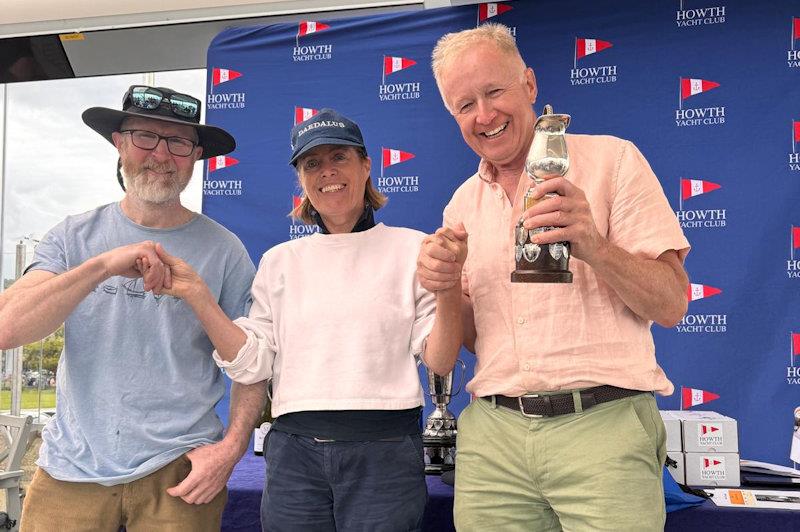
<point>325,127</point>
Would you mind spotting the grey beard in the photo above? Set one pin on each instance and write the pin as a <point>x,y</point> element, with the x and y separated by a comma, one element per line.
<point>158,192</point>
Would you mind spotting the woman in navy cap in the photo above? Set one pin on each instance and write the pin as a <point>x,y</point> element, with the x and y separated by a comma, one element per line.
<point>338,324</point>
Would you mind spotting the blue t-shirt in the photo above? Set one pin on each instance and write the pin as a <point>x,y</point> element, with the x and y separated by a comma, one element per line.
<point>136,384</point>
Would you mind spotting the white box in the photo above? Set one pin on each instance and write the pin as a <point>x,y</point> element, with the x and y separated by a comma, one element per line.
<point>678,472</point>
<point>259,434</point>
<point>712,469</point>
<point>707,432</point>
<point>674,437</point>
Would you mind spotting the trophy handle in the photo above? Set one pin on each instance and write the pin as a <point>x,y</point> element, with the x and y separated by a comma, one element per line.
<point>463,374</point>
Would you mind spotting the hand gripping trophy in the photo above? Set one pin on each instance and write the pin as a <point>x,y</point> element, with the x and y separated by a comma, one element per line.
<point>547,158</point>
<point>439,436</point>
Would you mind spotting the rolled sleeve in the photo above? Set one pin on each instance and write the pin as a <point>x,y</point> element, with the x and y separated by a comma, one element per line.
<point>253,362</point>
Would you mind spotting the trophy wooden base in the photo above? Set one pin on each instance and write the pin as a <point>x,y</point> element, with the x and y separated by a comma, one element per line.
<point>439,453</point>
<point>438,469</point>
<point>539,276</point>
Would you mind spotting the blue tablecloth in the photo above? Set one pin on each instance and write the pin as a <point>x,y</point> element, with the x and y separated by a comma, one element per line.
<point>244,497</point>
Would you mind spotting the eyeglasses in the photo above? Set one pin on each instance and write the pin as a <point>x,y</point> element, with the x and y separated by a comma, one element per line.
<point>150,98</point>
<point>147,140</point>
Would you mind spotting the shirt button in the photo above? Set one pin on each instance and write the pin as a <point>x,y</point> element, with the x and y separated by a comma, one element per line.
<point>500,194</point>
<point>521,320</point>
<point>526,367</point>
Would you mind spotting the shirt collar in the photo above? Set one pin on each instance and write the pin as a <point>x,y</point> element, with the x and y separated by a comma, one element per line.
<point>366,221</point>
<point>486,171</point>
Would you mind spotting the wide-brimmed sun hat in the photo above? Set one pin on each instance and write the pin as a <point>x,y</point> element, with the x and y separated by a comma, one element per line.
<point>165,105</point>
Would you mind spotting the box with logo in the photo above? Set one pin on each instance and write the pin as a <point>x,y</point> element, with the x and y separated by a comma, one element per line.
<point>712,469</point>
<point>707,432</point>
<point>674,437</point>
<point>676,466</point>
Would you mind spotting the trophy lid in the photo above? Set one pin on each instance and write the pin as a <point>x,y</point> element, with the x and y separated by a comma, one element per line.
<point>548,117</point>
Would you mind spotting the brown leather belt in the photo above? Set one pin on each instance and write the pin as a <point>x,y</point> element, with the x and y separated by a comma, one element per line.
<point>537,405</point>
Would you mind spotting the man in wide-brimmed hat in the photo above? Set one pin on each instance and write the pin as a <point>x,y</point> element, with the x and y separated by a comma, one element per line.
<point>135,440</point>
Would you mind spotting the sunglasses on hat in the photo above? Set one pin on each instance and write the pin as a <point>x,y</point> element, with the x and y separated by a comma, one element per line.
<point>150,98</point>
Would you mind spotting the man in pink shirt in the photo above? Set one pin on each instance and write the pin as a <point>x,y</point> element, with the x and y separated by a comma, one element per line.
<point>566,432</point>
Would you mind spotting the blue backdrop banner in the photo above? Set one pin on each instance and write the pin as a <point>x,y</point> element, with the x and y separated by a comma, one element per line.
<point>707,90</point>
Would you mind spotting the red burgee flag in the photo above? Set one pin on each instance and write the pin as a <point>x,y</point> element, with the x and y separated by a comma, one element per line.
<point>695,187</point>
<point>690,86</point>
<point>692,397</point>
<point>585,47</point>
<point>307,27</point>
<point>796,127</point>
<point>390,156</point>
<point>296,201</point>
<point>301,114</point>
<point>796,344</point>
<point>796,27</point>
<point>488,10</point>
<point>708,428</point>
<point>221,161</point>
<point>708,462</point>
<point>699,291</point>
<point>395,64</point>
<point>795,237</point>
<point>221,75</point>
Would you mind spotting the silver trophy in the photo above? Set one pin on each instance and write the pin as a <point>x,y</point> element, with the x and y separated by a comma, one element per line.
<point>439,436</point>
<point>547,158</point>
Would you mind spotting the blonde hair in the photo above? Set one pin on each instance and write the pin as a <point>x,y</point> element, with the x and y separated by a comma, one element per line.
<point>304,211</point>
<point>453,44</point>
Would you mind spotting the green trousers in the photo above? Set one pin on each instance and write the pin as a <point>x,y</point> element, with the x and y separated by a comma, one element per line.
<point>594,470</point>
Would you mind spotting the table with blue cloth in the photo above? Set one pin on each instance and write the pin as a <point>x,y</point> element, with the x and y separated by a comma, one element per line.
<point>246,483</point>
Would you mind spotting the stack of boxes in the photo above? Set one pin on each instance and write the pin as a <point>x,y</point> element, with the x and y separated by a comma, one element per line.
<point>705,446</point>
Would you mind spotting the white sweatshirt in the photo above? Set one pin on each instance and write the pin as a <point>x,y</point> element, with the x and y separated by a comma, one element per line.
<point>337,321</point>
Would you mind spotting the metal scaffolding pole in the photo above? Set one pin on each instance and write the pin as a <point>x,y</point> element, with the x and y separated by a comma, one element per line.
<point>16,353</point>
<point>6,354</point>
<point>3,186</point>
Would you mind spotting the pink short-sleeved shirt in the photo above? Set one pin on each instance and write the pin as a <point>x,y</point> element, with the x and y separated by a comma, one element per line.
<point>544,337</point>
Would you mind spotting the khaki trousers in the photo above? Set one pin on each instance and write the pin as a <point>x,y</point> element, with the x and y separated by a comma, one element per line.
<point>594,470</point>
<point>140,505</point>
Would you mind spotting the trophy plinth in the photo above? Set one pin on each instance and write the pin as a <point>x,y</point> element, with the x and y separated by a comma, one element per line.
<point>547,158</point>
<point>540,276</point>
<point>439,436</point>
<point>439,441</point>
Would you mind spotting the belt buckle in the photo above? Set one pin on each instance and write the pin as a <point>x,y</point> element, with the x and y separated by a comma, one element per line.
<point>522,407</point>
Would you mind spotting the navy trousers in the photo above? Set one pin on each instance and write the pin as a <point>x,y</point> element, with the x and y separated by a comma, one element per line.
<point>329,486</point>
